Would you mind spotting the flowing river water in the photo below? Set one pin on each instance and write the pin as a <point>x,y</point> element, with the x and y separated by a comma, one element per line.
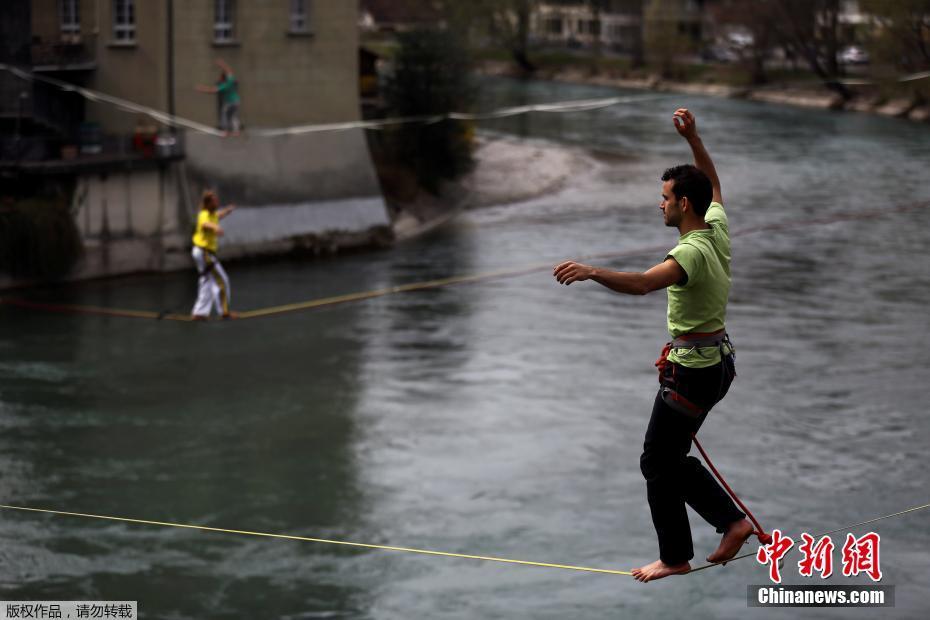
<point>502,417</point>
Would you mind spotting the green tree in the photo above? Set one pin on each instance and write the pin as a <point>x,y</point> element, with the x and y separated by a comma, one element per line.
<point>505,23</point>
<point>38,238</point>
<point>666,34</point>
<point>635,9</point>
<point>430,77</point>
<point>810,29</point>
<point>901,33</point>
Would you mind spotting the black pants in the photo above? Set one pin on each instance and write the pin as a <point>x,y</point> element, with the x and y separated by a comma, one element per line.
<point>672,477</point>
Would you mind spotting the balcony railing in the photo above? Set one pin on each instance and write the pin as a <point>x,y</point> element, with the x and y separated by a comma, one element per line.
<point>71,52</point>
<point>90,149</point>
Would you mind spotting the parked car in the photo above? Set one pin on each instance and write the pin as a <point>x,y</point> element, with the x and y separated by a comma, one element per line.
<point>719,53</point>
<point>854,55</point>
<point>740,40</point>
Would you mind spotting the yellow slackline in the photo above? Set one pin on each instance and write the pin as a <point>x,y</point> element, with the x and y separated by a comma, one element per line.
<point>96,310</point>
<point>465,279</point>
<point>415,286</point>
<point>485,558</point>
<point>519,271</point>
<point>323,540</point>
<point>292,307</point>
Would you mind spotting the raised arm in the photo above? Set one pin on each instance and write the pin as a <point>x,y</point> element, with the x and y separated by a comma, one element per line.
<point>687,127</point>
<point>222,65</point>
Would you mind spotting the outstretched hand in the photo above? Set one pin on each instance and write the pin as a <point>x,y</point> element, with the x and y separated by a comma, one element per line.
<point>685,123</point>
<point>570,271</point>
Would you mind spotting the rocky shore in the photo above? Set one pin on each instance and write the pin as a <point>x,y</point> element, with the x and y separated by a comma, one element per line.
<point>512,170</point>
<point>507,170</point>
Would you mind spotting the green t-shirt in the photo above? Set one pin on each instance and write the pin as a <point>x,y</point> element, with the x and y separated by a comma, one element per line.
<point>229,90</point>
<point>700,304</point>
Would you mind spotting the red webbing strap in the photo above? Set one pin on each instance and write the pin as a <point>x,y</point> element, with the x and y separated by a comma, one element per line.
<point>764,538</point>
<point>695,410</point>
<point>662,362</point>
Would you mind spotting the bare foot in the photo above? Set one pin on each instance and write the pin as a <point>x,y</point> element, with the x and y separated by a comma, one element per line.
<point>659,569</point>
<point>733,539</point>
<point>230,315</point>
<point>198,317</point>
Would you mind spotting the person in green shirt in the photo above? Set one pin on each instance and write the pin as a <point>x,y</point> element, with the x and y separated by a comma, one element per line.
<point>695,369</point>
<point>227,88</point>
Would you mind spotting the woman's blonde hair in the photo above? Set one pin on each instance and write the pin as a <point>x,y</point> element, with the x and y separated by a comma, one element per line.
<point>209,197</point>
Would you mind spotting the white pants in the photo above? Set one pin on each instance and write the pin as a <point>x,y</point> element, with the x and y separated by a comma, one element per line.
<point>212,286</point>
<point>229,117</point>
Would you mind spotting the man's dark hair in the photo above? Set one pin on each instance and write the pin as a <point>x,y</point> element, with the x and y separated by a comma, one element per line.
<point>690,182</point>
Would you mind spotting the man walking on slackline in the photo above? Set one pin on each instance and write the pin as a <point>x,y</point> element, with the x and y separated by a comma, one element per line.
<point>695,369</point>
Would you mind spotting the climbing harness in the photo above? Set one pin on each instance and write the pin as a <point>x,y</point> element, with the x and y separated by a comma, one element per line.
<point>209,262</point>
<point>667,379</point>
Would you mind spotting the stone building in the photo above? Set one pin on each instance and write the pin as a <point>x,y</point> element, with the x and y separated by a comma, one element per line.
<point>295,62</point>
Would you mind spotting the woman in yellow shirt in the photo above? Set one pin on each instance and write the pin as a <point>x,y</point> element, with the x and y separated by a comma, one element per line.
<point>213,283</point>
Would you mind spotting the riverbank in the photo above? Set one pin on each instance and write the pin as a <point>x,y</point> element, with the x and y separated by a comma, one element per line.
<point>814,96</point>
<point>507,170</point>
<point>510,170</point>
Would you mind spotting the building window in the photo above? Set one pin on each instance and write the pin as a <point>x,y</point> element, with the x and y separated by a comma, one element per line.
<point>70,13</point>
<point>554,25</point>
<point>299,20</point>
<point>223,20</point>
<point>124,21</point>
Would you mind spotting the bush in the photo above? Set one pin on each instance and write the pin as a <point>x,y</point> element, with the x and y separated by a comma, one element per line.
<point>38,238</point>
<point>430,77</point>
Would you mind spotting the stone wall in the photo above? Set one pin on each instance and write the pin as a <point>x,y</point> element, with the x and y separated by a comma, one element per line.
<point>287,187</point>
<point>131,221</point>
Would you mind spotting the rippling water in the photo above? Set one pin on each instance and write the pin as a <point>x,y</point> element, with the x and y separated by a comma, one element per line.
<point>503,417</point>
